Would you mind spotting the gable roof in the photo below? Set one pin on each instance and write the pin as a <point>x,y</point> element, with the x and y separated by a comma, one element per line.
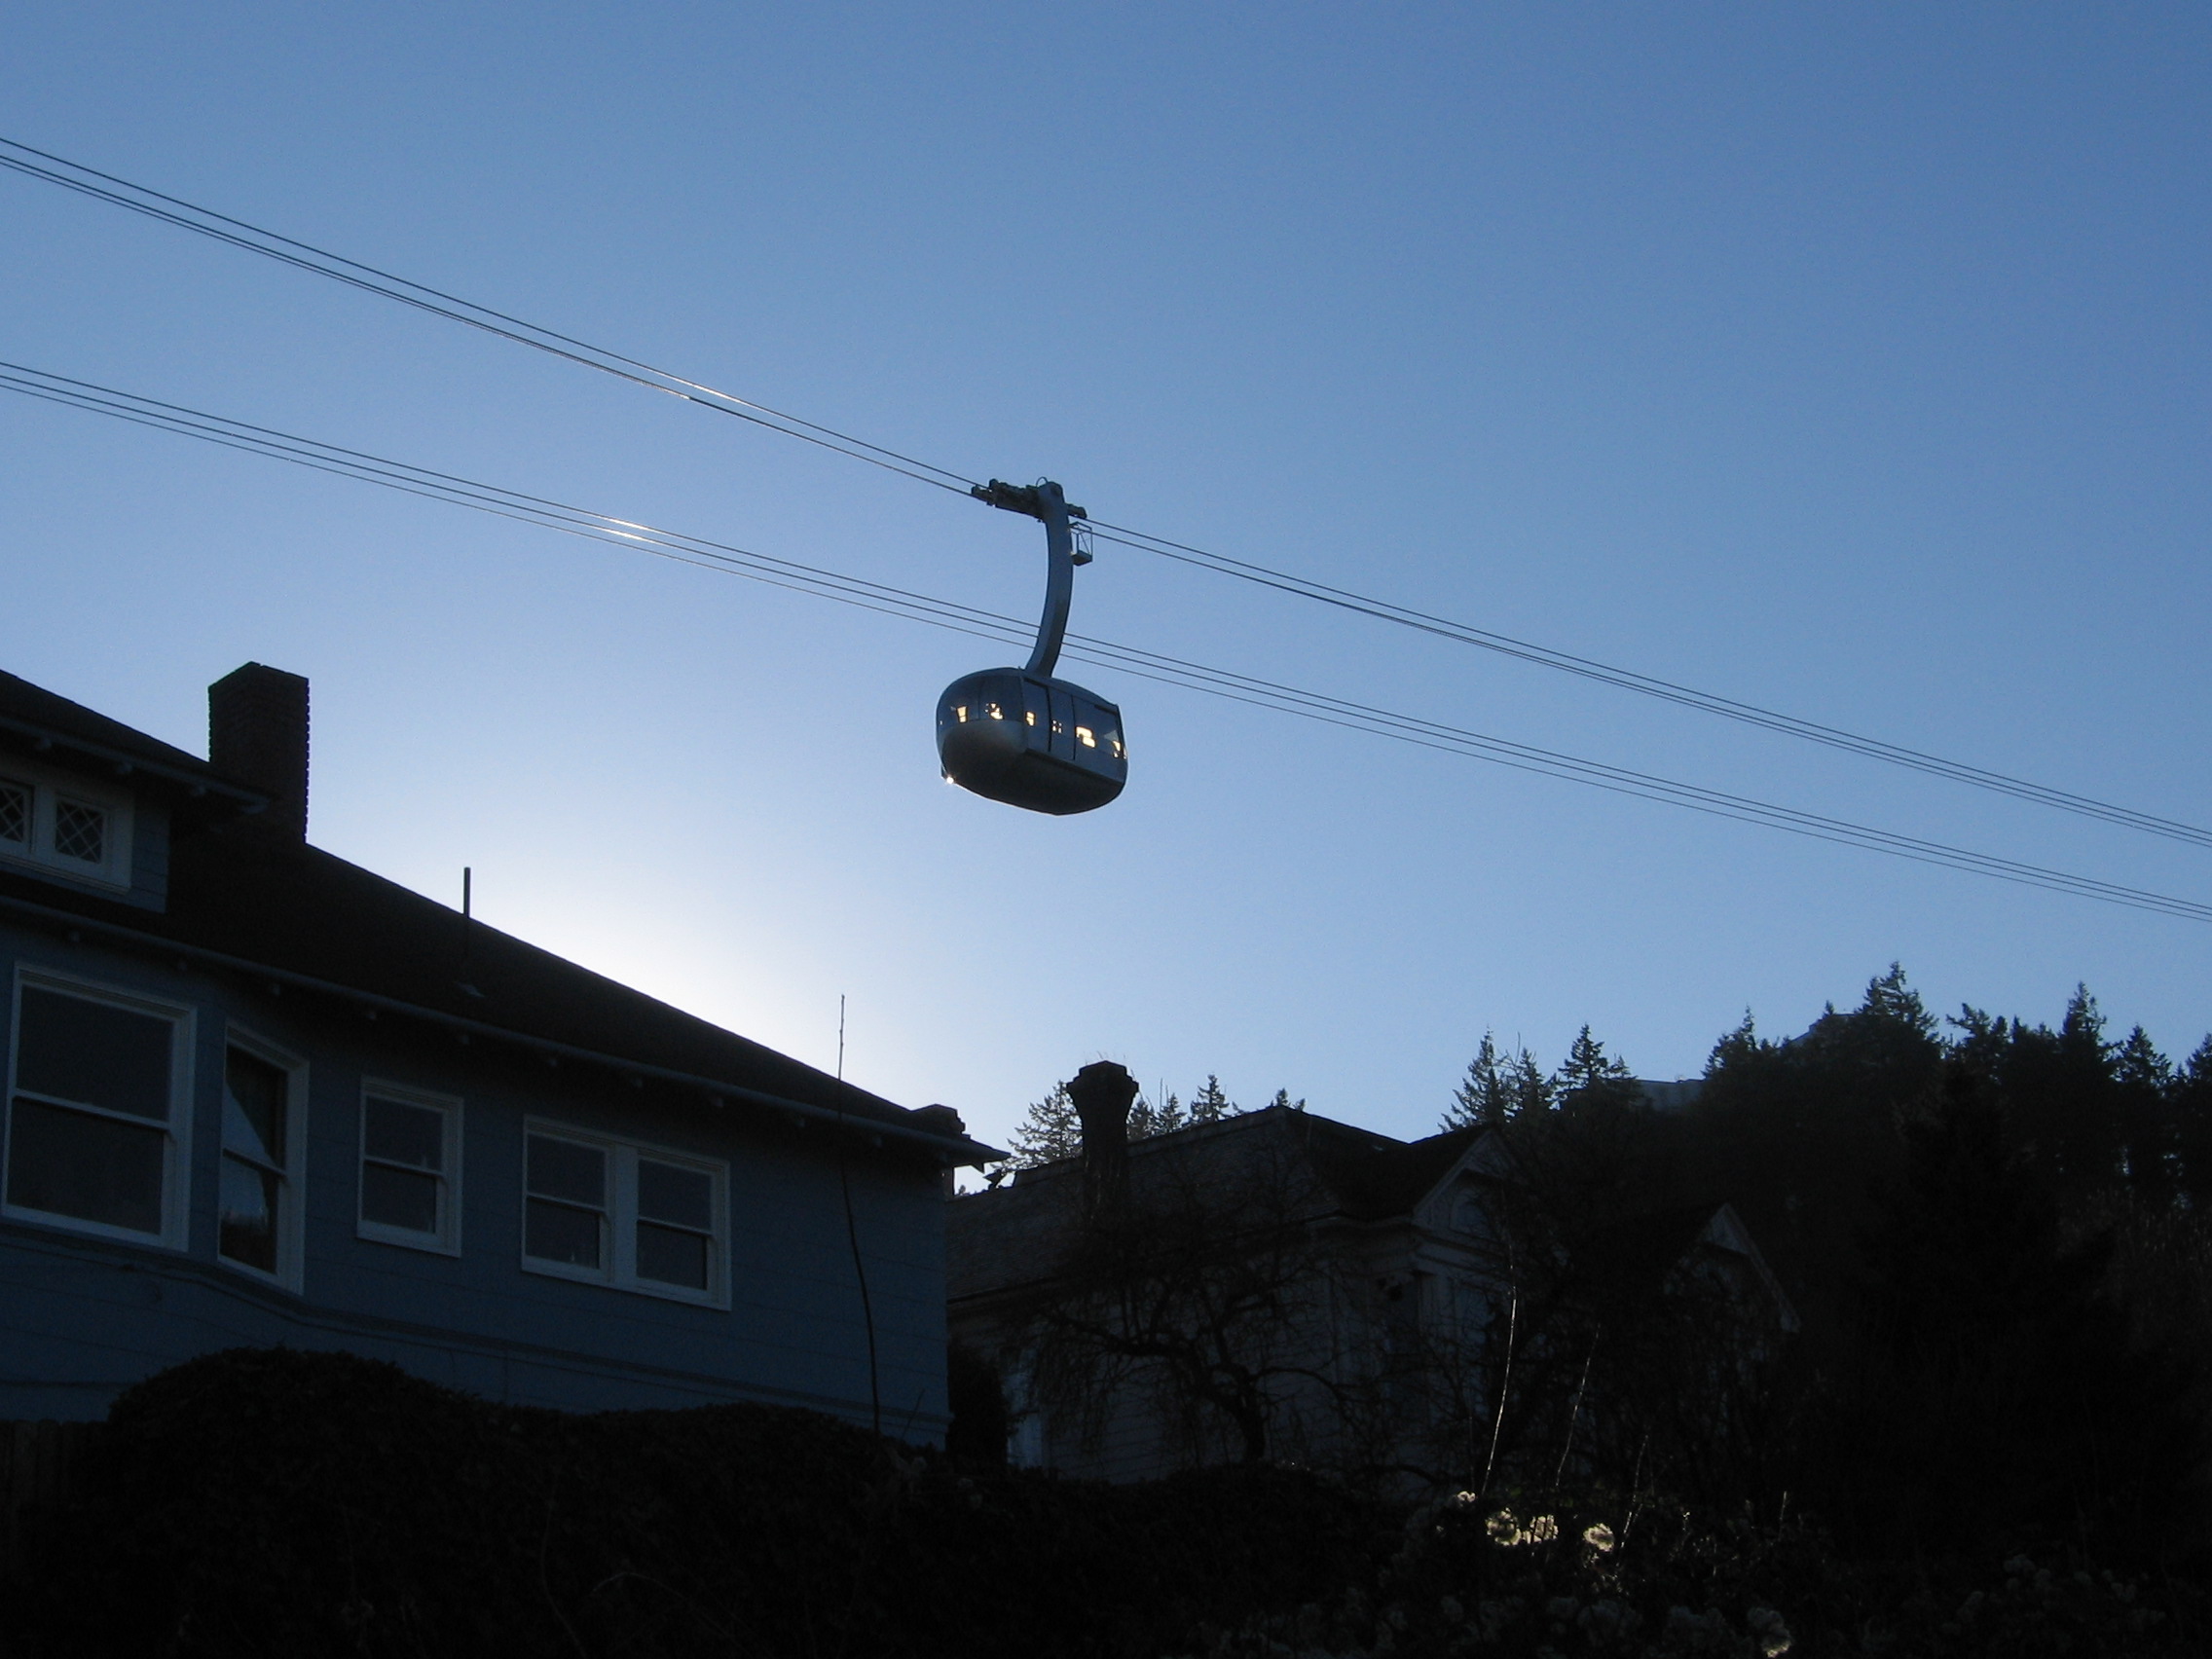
<point>38,717</point>
<point>244,894</point>
<point>1330,1171</point>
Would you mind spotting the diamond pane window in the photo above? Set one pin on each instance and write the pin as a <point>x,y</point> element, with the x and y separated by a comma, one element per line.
<point>80,831</point>
<point>14,813</point>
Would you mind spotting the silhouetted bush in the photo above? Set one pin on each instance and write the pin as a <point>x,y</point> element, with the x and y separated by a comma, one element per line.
<point>269,1502</point>
<point>285,1503</point>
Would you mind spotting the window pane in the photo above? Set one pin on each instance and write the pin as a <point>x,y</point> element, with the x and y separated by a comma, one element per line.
<point>95,1169</point>
<point>246,1226</point>
<point>80,831</point>
<point>684,1196</point>
<point>89,1052</point>
<point>400,1134</point>
<point>399,1197</point>
<point>563,1169</point>
<point>670,1256</point>
<point>14,813</point>
<point>557,1233</point>
<point>253,1107</point>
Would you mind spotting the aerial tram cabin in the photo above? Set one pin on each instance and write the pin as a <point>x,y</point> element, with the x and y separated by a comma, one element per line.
<point>1018,735</point>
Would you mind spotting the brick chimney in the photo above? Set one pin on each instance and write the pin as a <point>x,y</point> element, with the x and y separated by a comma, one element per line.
<point>257,733</point>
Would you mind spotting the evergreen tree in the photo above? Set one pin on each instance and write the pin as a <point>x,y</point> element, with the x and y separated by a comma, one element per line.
<point>1498,1087</point>
<point>1147,1120</point>
<point>1889,998</point>
<point>1739,1049</point>
<point>1051,1132</point>
<point>1210,1105</point>
<point>1283,1101</point>
<point>1481,1097</point>
<point>1994,1392</point>
<point>2189,1113</point>
<point>1590,1074</point>
<point>1052,1129</point>
<point>1796,1132</point>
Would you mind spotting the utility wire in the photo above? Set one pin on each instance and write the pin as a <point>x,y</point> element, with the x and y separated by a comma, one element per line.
<point>1728,708</point>
<point>984,624</point>
<point>139,199</point>
<point>221,227</point>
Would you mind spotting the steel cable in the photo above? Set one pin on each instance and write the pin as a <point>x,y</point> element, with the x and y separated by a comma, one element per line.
<point>912,606</point>
<point>106,187</point>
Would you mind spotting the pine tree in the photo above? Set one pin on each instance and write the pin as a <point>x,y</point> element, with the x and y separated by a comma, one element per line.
<point>1498,1087</point>
<point>1481,1097</point>
<point>1210,1105</point>
<point>1891,998</point>
<point>2190,1112</point>
<point>1529,1093</point>
<point>1739,1048</point>
<point>1147,1120</point>
<point>1589,1073</point>
<point>1283,1103</point>
<point>1051,1132</point>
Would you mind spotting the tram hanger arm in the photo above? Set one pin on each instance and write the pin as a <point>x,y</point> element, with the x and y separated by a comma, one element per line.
<point>1024,499</point>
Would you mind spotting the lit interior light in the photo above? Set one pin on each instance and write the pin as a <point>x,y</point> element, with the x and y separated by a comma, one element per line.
<point>1084,736</point>
<point>1030,717</point>
<point>1115,744</point>
<point>994,711</point>
<point>960,712</point>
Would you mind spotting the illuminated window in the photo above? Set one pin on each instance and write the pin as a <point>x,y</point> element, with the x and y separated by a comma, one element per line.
<point>1084,736</point>
<point>994,711</point>
<point>1029,717</point>
<point>632,1217</point>
<point>960,712</point>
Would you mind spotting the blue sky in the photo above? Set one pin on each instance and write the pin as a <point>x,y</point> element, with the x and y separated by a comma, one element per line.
<point>1849,360</point>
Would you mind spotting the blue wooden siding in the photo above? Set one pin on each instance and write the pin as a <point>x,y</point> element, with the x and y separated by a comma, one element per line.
<point>82,1318</point>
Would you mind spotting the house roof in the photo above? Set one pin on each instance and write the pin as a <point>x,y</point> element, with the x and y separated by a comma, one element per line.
<point>1329,1170</point>
<point>246,891</point>
<point>35,716</point>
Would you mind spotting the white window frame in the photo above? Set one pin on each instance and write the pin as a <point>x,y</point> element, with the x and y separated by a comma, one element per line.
<point>49,785</point>
<point>291,1217</point>
<point>445,1241</point>
<point>176,1168</point>
<point>619,1270</point>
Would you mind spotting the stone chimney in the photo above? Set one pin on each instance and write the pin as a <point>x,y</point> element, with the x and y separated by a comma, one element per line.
<point>257,733</point>
<point>1103,1093</point>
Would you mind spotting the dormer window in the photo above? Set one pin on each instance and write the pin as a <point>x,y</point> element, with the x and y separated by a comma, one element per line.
<point>65,824</point>
<point>15,815</point>
<point>80,833</point>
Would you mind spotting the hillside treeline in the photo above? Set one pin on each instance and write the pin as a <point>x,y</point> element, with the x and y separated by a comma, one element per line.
<point>1997,1237</point>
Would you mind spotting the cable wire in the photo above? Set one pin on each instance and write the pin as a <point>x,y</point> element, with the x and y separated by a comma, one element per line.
<point>106,187</point>
<point>937,613</point>
<point>305,256</point>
